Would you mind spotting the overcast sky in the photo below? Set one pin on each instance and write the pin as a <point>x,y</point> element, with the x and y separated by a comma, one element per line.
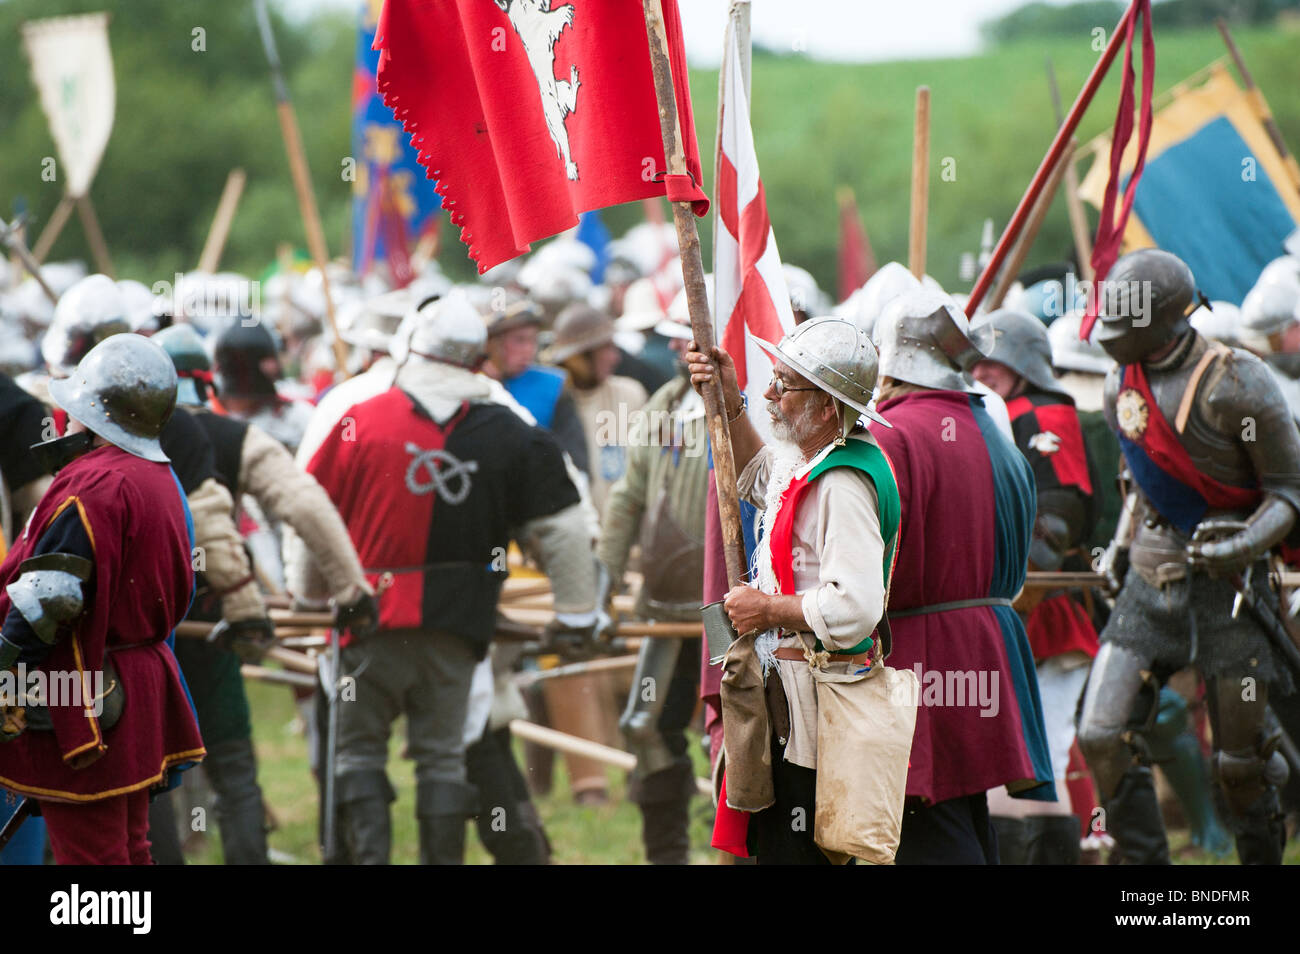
<point>827,29</point>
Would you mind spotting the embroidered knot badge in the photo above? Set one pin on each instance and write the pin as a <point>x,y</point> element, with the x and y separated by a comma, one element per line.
<point>441,469</point>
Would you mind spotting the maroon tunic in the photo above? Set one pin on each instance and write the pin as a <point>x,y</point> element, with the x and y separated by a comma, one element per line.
<point>134,514</point>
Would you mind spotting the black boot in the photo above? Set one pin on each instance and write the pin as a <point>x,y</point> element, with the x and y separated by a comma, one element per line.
<point>665,802</point>
<point>1013,839</point>
<point>164,841</point>
<point>1133,818</point>
<point>364,823</point>
<point>1053,840</point>
<point>442,809</point>
<point>241,819</point>
<point>1260,831</point>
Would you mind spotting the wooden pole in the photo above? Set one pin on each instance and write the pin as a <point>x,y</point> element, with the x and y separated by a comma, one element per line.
<point>98,247</point>
<point>1266,114</point>
<point>920,183</point>
<point>1059,145</point>
<point>563,742</point>
<point>1073,202</point>
<point>697,302</point>
<point>49,234</point>
<point>301,182</point>
<point>11,238</point>
<point>1030,233</point>
<point>219,231</point>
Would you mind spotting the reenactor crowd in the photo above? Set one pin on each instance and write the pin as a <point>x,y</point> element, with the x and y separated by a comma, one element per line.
<point>1076,549</point>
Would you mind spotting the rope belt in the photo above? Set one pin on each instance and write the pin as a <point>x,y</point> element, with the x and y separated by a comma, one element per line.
<point>948,607</point>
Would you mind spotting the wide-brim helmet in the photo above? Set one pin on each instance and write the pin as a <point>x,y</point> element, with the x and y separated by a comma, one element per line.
<point>90,311</point>
<point>1020,341</point>
<point>124,390</point>
<point>835,355</point>
<point>579,329</point>
<point>924,339</point>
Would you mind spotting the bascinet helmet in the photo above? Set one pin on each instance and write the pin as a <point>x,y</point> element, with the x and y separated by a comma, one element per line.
<point>924,339</point>
<point>87,313</point>
<point>838,357</point>
<point>1020,341</point>
<point>1146,301</point>
<point>124,390</point>
<point>184,346</point>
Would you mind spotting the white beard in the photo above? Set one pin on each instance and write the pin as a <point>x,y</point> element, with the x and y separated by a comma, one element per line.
<point>786,459</point>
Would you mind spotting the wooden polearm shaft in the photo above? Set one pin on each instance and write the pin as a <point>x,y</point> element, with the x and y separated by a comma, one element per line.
<point>697,302</point>
<point>95,236</point>
<point>12,239</point>
<point>1266,114</point>
<point>301,180</point>
<point>1054,152</point>
<point>920,184</point>
<point>58,219</point>
<point>1073,203</point>
<point>1030,233</point>
<point>219,231</point>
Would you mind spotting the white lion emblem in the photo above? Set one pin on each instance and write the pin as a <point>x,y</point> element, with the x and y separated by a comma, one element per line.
<point>539,27</point>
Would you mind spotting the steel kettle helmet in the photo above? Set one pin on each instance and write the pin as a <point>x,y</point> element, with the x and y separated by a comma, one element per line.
<point>124,390</point>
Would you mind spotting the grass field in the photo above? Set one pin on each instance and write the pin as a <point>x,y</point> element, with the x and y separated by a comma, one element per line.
<point>605,835</point>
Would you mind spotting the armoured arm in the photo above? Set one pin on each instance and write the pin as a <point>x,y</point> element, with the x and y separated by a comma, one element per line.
<point>1057,527</point>
<point>50,593</point>
<point>287,493</point>
<point>224,561</point>
<point>1242,398</point>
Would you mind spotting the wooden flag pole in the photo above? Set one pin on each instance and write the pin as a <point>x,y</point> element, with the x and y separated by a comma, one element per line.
<point>219,231</point>
<point>98,247</point>
<point>1073,203</point>
<point>301,182</point>
<point>1265,114</point>
<point>1059,145</point>
<point>920,183</point>
<point>1030,233</point>
<point>49,234</point>
<point>11,238</point>
<point>697,302</point>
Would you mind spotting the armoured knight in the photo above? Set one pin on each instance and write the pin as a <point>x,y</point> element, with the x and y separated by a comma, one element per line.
<point>1214,460</point>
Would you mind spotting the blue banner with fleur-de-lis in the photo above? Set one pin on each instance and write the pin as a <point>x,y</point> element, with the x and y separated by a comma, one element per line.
<point>391,188</point>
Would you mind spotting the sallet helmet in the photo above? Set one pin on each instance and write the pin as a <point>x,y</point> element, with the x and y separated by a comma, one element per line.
<point>1145,304</point>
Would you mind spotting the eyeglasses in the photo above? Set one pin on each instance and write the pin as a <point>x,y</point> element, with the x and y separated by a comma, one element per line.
<point>781,388</point>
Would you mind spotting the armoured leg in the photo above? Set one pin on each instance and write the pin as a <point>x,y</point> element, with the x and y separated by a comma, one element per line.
<point>1118,708</point>
<point>442,809</point>
<point>655,666</point>
<point>364,823</point>
<point>1250,771</point>
<point>1176,750</point>
<point>232,770</point>
<point>665,800</point>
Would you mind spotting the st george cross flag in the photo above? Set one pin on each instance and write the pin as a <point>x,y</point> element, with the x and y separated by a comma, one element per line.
<point>529,112</point>
<point>750,292</point>
<point>751,298</point>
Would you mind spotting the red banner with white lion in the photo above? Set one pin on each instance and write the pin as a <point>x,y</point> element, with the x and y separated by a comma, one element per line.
<point>528,112</point>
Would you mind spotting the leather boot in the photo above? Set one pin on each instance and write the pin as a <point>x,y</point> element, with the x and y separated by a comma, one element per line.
<point>442,809</point>
<point>164,841</point>
<point>364,822</point>
<point>1189,777</point>
<point>232,770</point>
<point>1052,840</point>
<point>665,801</point>
<point>1133,818</point>
<point>1261,831</point>
<point>1013,839</point>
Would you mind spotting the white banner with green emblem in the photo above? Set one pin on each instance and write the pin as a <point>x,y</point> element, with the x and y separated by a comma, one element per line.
<point>73,71</point>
